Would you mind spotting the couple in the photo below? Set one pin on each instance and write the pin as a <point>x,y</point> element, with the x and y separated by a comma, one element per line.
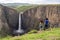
<point>44,24</point>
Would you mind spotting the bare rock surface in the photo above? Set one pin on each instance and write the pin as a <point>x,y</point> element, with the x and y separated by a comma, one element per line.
<point>8,20</point>
<point>30,18</point>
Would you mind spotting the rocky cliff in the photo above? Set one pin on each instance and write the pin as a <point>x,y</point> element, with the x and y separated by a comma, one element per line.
<point>30,18</point>
<point>8,20</point>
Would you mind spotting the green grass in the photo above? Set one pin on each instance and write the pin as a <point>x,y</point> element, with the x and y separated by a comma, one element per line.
<point>33,31</point>
<point>53,34</point>
<point>24,8</point>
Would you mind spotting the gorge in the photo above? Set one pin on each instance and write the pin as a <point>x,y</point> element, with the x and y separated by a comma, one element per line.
<point>10,21</point>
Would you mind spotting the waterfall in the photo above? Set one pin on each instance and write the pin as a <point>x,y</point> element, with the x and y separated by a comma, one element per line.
<point>19,28</point>
<point>19,31</point>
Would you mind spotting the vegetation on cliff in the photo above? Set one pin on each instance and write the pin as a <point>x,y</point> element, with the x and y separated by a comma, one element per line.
<point>24,8</point>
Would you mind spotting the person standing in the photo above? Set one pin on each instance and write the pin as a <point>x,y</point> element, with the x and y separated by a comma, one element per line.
<point>41,25</point>
<point>46,24</point>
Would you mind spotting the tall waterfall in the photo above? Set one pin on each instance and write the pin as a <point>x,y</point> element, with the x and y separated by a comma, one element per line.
<point>19,28</point>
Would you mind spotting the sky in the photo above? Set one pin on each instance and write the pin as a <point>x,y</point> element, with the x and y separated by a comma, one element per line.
<point>32,1</point>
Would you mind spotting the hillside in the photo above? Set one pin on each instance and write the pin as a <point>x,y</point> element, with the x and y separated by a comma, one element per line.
<point>52,34</point>
<point>14,5</point>
<point>24,8</point>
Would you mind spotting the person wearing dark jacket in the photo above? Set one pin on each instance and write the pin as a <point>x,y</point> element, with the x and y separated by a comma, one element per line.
<point>46,24</point>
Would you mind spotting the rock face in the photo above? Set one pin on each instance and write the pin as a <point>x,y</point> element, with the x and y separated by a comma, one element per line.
<point>8,20</point>
<point>30,18</point>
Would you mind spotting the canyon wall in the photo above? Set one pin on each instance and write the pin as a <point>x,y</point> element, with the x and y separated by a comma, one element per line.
<point>8,20</point>
<point>31,17</point>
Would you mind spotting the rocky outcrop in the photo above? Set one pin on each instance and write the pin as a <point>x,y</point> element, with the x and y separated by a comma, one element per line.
<point>8,20</point>
<point>30,18</point>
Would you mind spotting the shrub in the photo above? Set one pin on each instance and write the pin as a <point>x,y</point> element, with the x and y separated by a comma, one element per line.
<point>32,31</point>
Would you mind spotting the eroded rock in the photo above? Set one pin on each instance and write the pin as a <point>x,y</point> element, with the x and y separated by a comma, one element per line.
<point>30,18</point>
<point>8,20</point>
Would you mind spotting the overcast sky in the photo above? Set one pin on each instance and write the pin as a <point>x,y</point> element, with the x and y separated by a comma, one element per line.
<point>32,1</point>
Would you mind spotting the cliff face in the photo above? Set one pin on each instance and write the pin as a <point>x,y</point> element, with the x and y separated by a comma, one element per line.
<point>30,18</point>
<point>8,20</point>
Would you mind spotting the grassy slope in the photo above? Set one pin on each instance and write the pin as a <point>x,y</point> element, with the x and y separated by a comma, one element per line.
<point>24,8</point>
<point>53,34</point>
